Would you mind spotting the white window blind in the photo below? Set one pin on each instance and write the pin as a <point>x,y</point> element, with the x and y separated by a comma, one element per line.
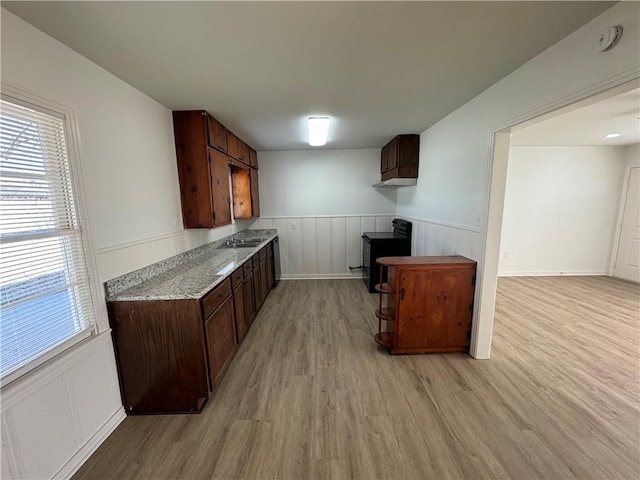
<point>45,295</point>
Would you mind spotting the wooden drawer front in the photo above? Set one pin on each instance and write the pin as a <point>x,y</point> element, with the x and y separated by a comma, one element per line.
<point>215,297</point>
<point>236,278</point>
<point>263,254</point>
<point>247,267</point>
<point>256,260</point>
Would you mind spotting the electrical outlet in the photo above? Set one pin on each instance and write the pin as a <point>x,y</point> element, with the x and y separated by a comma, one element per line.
<point>507,254</point>
<point>293,225</point>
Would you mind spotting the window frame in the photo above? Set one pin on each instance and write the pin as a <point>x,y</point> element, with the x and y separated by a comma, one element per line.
<point>19,96</point>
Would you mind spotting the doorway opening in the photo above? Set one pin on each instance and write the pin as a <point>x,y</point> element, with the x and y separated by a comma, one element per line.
<point>493,253</point>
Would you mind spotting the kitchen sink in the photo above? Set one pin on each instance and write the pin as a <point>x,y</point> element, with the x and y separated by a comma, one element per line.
<point>242,243</point>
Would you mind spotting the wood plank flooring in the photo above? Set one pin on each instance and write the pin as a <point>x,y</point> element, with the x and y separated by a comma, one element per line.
<point>310,396</point>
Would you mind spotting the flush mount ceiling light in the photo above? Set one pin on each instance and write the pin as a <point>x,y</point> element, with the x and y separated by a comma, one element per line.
<point>612,135</point>
<point>318,129</point>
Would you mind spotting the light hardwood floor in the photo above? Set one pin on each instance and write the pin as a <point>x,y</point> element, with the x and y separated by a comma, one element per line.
<point>309,395</point>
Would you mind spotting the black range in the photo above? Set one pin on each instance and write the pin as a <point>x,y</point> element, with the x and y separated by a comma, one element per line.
<point>396,243</point>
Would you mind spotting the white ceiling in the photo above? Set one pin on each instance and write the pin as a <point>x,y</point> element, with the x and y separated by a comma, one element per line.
<point>587,126</point>
<point>376,68</point>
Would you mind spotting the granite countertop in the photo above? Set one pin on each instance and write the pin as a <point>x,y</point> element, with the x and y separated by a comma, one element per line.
<point>194,274</point>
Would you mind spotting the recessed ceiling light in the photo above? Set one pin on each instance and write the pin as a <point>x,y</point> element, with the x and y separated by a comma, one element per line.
<point>612,135</point>
<point>318,129</point>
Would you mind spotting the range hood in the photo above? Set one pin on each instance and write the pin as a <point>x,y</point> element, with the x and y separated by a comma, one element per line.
<point>397,182</point>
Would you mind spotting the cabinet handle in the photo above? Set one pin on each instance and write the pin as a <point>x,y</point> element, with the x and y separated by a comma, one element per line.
<point>402,291</point>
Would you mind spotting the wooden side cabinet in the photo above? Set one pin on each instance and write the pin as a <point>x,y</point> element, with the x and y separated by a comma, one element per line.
<point>426,305</point>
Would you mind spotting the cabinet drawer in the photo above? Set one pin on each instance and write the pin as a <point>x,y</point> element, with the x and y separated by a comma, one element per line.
<point>247,267</point>
<point>236,278</point>
<point>215,297</point>
<point>263,254</point>
<point>256,260</point>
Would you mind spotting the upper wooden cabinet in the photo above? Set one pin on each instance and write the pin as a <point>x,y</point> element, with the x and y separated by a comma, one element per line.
<point>204,150</point>
<point>399,157</point>
<point>203,193</point>
<point>237,148</point>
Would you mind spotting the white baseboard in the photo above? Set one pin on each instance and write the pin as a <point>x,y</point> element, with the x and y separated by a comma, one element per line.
<point>577,273</point>
<point>91,445</point>
<point>320,276</point>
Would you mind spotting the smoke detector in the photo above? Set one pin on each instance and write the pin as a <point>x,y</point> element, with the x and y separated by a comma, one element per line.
<point>609,38</point>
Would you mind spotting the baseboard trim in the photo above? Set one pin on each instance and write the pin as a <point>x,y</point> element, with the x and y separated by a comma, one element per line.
<point>91,445</point>
<point>321,276</point>
<point>578,273</point>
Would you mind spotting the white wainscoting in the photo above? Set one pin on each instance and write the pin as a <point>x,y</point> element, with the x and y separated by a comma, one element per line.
<point>433,237</point>
<point>323,246</point>
<point>55,417</point>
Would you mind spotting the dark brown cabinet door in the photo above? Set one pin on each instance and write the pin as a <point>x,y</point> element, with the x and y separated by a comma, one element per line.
<point>392,154</point>
<point>237,148</point>
<point>435,308</point>
<point>248,299</point>
<point>242,325</point>
<point>217,134</point>
<point>161,356</point>
<point>255,194</point>
<point>193,168</point>
<point>264,279</point>
<point>384,162</point>
<point>253,158</point>
<point>221,201</point>
<point>221,340</point>
<point>257,287</point>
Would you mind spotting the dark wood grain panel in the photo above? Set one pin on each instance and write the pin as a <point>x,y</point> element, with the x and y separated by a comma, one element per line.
<point>217,134</point>
<point>193,168</point>
<point>221,340</point>
<point>237,148</point>
<point>236,277</point>
<point>160,354</point>
<point>242,325</point>
<point>215,297</point>
<point>248,297</point>
<point>220,185</point>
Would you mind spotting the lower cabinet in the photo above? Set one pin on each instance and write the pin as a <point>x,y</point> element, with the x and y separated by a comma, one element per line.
<point>248,299</point>
<point>171,354</point>
<point>220,330</point>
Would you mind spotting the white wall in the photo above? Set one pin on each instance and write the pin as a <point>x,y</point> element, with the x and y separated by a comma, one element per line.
<point>456,153</point>
<point>321,201</point>
<point>322,182</point>
<point>560,210</point>
<point>53,418</point>
<point>632,154</point>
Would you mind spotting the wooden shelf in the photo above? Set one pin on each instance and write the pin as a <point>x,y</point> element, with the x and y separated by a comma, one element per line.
<point>383,288</point>
<point>385,314</point>
<point>384,339</point>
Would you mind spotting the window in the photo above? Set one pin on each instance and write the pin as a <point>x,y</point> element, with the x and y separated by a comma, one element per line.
<point>45,294</point>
